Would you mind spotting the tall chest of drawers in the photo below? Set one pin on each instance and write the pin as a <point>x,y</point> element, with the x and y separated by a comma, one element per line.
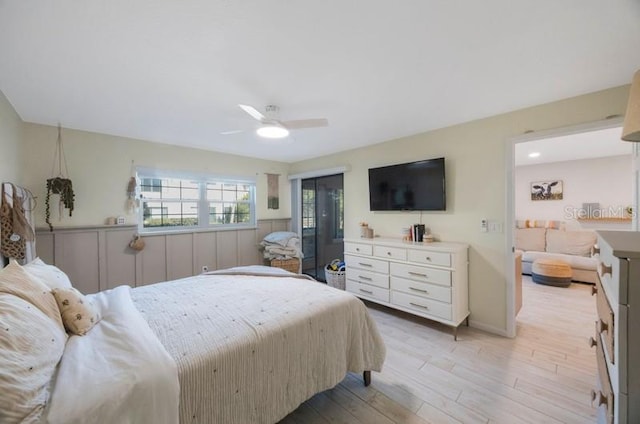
<point>429,280</point>
<point>617,338</point>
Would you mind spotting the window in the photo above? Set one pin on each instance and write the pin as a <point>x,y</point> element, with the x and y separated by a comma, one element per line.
<point>174,202</point>
<point>308,208</point>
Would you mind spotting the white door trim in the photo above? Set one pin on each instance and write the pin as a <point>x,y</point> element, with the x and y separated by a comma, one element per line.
<point>510,201</point>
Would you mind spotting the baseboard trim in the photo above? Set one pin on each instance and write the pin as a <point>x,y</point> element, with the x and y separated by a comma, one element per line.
<point>488,328</point>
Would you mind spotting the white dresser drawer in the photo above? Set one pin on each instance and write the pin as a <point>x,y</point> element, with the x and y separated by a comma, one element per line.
<point>422,305</point>
<point>367,291</point>
<point>416,288</point>
<point>367,277</point>
<point>368,264</point>
<point>390,253</point>
<point>420,273</point>
<point>429,258</point>
<point>610,274</point>
<point>358,248</point>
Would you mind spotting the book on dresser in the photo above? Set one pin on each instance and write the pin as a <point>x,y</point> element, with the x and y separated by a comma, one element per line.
<point>425,279</point>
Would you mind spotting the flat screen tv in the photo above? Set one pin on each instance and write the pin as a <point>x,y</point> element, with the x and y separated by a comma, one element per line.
<point>414,186</point>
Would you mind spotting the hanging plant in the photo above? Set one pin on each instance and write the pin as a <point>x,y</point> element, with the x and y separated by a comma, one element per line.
<point>59,185</point>
<point>63,187</point>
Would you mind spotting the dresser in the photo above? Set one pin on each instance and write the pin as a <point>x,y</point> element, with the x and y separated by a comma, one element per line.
<point>617,330</point>
<point>425,279</point>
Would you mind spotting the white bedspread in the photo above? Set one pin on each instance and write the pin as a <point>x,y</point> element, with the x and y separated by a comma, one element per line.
<point>250,349</point>
<point>118,373</point>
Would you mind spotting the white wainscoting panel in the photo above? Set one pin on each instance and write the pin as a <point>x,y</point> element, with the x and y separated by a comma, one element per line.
<point>98,258</point>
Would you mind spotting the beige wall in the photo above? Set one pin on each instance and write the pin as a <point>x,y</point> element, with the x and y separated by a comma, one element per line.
<point>10,146</point>
<point>607,181</point>
<point>100,166</point>
<point>475,171</point>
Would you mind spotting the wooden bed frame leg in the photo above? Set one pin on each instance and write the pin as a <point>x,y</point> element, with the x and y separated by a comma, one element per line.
<point>366,376</point>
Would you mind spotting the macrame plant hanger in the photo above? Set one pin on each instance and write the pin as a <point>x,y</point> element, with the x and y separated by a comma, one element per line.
<point>60,184</point>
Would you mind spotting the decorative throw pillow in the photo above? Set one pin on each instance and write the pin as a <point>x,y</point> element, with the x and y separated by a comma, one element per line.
<point>31,346</point>
<point>530,239</point>
<point>79,314</point>
<point>18,282</point>
<point>51,275</point>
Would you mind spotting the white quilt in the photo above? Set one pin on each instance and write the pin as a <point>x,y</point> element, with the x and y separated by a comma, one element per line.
<point>117,373</point>
<point>250,349</point>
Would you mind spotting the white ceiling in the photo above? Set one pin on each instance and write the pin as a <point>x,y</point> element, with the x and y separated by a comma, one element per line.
<point>587,145</point>
<point>174,71</point>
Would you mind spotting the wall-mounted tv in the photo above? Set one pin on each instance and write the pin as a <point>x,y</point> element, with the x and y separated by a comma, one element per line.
<point>414,186</point>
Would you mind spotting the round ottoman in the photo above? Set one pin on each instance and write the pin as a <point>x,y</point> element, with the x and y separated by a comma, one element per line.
<point>551,272</point>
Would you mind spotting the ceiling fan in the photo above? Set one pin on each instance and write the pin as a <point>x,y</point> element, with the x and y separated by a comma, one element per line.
<point>272,127</point>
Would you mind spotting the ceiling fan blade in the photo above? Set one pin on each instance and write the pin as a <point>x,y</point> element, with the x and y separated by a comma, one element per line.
<point>253,112</point>
<point>231,132</point>
<point>305,123</point>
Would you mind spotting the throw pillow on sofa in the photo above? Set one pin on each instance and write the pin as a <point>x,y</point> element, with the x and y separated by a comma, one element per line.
<point>530,239</point>
<point>577,243</point>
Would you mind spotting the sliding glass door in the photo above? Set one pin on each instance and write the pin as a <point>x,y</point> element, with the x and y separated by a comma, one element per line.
<point>322,223</point>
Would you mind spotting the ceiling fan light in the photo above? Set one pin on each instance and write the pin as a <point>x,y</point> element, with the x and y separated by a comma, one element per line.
<point>272,131</point>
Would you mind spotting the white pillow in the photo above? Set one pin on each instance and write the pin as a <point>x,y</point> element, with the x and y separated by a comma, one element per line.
<point>530,239</point>
<point>280,237</point>
<point>51,275</point>
<point>15,280</point>
<point>79,314</point>
<point>31,346</point>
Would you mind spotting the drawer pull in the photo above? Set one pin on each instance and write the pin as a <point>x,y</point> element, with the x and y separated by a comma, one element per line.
<point>604,269</point>
<point>594,290</point>
<point>592,342</point>
<point>417,274</point>
<point>595,250</point>
<point>366,291</point>
<point>602,326</point>
<point>419,306</point>
<point>362,277</point>
<point>428,258</point>
<point>418,290</point>
<point>363,264</point>
<point>598,397</point>
<point>357,249</point>
<point>389,253</point>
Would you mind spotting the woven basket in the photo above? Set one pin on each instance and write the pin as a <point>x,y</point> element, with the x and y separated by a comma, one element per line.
<point>291,265</point>
<point>335,278</point>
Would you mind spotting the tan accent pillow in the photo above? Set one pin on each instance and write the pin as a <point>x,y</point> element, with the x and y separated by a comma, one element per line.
<point>571,242</point>
<point>78,313</point>
<point>31,346</point>
<point>18,282</point>
<point>50,275</point>
<point>530,239</point>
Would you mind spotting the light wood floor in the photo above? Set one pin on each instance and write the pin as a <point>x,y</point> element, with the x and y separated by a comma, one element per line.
<point>544,375</point>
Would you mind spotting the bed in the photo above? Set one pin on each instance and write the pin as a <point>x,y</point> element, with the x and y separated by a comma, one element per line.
<point>246,345</point>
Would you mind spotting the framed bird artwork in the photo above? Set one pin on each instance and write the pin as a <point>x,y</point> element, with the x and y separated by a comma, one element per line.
<point>546,190</point>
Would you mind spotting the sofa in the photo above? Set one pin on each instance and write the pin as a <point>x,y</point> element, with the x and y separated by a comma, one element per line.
<point>572,247</point>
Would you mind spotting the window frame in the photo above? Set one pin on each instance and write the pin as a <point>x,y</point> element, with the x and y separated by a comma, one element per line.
<point>202,179</point>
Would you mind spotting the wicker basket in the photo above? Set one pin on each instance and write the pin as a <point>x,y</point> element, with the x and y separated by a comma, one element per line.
<point>291,265</point>
<point>335,278</point>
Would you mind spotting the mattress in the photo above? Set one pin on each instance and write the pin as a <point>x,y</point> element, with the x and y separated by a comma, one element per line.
<point>252,348</point>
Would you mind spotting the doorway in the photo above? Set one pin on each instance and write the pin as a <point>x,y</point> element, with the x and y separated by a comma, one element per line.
<point>322,216</point>
<point>511,197</point>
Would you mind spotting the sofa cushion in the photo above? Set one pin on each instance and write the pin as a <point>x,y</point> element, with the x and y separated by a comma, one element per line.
<point>530,239</point>
<point>576,262</point>
<point>570,242</point>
